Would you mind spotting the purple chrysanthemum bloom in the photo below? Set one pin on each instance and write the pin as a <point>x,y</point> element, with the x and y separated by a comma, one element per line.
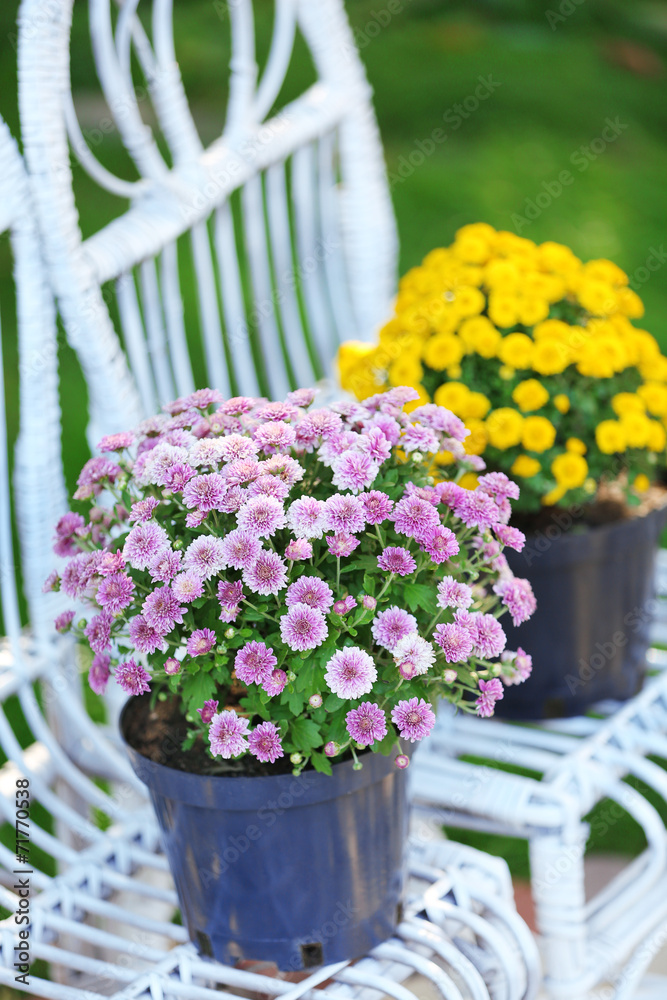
<point>452,594</point>
<point>269,486</point>
<point>517,667</point>
<point>146,638</point>
<point>195,518</point>
<point>449,493</point>
<point>341,545</point>
<point>76,576</point>
<point>254,663</point>
<point>237,447</point>
<point>98,632</point>
<point>368,602</point>
<point>261,516</point>
<point>133,678</point>
<point>375,444</point>
<point>413,656</point>
<point>315,700</point>
<point>237,405</point>
<point>492,691</point>
<point>275,437</point>
<point>489,638</point>
<point>305,517</point>
<point>205,556</point>
<point>354,471</point>
<point>116,442</point>
<point>298,549</point>
<point>98,674</point>
<point>476,509</point>
<point>172,666</point>
<point>284,467</point>
<point>415,517</point>
<point>96,473</point>
<point>317,426</point>
<point>301,397</point>
<point>277,411</point>
<point>518,597</point>
<point>441,544</point>
<point>233,500</point>
<point>205,493</point>
<point>366,724</point>
<point>162,610</point>
<point>227,735</point>
<point>63,621</point>
<point>499,486</point>
<point>331,749</point>
<point>208,711</point>
<point>402,761</point>
<point>438,418</point>
<point>422,439</point>
<point>267,575</point>
<point>276,682</point>
<point>177,476</point>
<point>245,470</point>
<point>142,510</point>
<point>67,528</point>
<point>455,641</point>
<point>188,587</point>
<point>111,562</point>
<point>201,642</point>
<point>377,506</point>
<point>345,605</point>
<point>240,548</point>
<point>413,718</point>
<point>395,559</point>
<point>165,566</point>
<point>303,628</point>
<point>201,399</point>
<point>428,493</point>
<point>143,543</point>
<point>310,590</point>
<point>350,673</point>
<point>230,593</point>
<point>264,743</point>
<point>344,514</point>
<point>339,444</point>
<point>389,427</point>
<point>115,593</point>
<point>51,583</point>
<point>511,537</point>
<point>390,626</point>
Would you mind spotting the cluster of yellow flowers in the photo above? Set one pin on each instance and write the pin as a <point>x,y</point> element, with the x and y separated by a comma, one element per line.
<point>535,350</point>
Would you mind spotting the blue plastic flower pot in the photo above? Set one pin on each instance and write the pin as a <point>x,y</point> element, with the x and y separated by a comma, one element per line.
<point>298,871</point>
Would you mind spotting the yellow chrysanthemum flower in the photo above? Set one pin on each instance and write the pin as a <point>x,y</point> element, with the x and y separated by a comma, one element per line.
<point>506,373</point>
<point>550,356</point>
<point>516,350</point>
<point>530,395</point>
<point>442,351</point>
<point>657,438</point>
<point>503,309</point>
<point>469,481</point>
<point>629,303</point>
<point>641,483</point>
<point>477,405</point>
<point>406,370</point>
<point>637,428</point>
<point>627,402</point>
<point>477,440</point>
<point>610,437</point>
<point>504,427</point>
<point>654,395</point>
<point>575,446</point>
<point>453,396</point>
<point>562,402</point>
<point>468,301</point>
<point>569,470</point>
<point>598,297</point>
<point>532,309</point>
<point>551,498</point>
<point>538,434</point>
<point>525,466</point>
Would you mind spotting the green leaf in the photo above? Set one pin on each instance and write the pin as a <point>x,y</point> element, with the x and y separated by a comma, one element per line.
<point>418,595</point>
<point>295,702</point>
<point>197,689</point>
<point>321,763</point>
<point>369,584</point>
<point>333,703</point>
<point>305,734</point>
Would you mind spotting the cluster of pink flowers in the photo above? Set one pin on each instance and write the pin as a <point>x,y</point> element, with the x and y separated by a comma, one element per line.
<point>305,554</point>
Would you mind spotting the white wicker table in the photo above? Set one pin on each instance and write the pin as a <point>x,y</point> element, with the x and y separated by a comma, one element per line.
<point>600,947</point>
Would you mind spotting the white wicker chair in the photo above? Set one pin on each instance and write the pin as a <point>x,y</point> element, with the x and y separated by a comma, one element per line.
<point>315,224</point>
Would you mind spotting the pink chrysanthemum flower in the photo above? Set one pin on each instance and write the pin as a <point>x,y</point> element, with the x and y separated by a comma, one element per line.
<point>377,506</point>
<point>337,445</point>
<point>188,587</point>
<point>208,711</point>
<point>237,405</point>
<point>205,556</point>
<point>390,626</point>
<point>98,632</point>
<point>261,516</point>
<point>341,545</point>
<point>177,476</point>
<point>441,420</point>
<point>452,594</point>
<point>284,467</point>
<point>264,743</point>
<point>201,399</point>
<point>195,518</point>
<point>413,656</point>
<point>172,666</point>
<point>376,445</point>
<point>277,411</point>
<point>142,510</point>
<point>415,517</point>
<point>310,590</point>
<point>162,610</point>
<point>275,437</point>
<point>344,514</point>
<point>230,593</point>
<point>395,559</point>
<point>390,428</point>
<point>476,509</point>
<point>366,724</point>
<point>51,583</point>
<point>499,486</point>
<point>491,692</point>
<point>315,427</point>
<point>449,493</point>
<point>98,674</point>
<point>78,573</point>
<point>96,473</point>
<point>267,575</point>
<point>68,527</point>
<point>233,500</point>
<point>116,442</point>
<point>441,544</point>
<point>276,682</point>
<point>133,678</point>
<point>240,548</point>
<point>354,471</point>
<point>345,605</point>
<point>413,718</point>
<point>143,543</point>
<point>115,593</point>
<point>237,446</point>
<point>303,628</point>
<point>201,642</point>
<point>489,638</point>
<point>144,637</point>
<point>422,439</point>
<point>111,562</point>
<point>227,735</point>
<point>245,470</point>
<point>205,493</point>
<point>165,566</point>
<point>298,549</point>
<point>269,486</point>
<point>518,597</point>
<point>301,397</point>
<point>368,602</point>
<point>350,673</point>
<point>254,663</point>
<point>455,641</point>
<point>517,667</point>
<point>305,517</point>
<point>63,621</point>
